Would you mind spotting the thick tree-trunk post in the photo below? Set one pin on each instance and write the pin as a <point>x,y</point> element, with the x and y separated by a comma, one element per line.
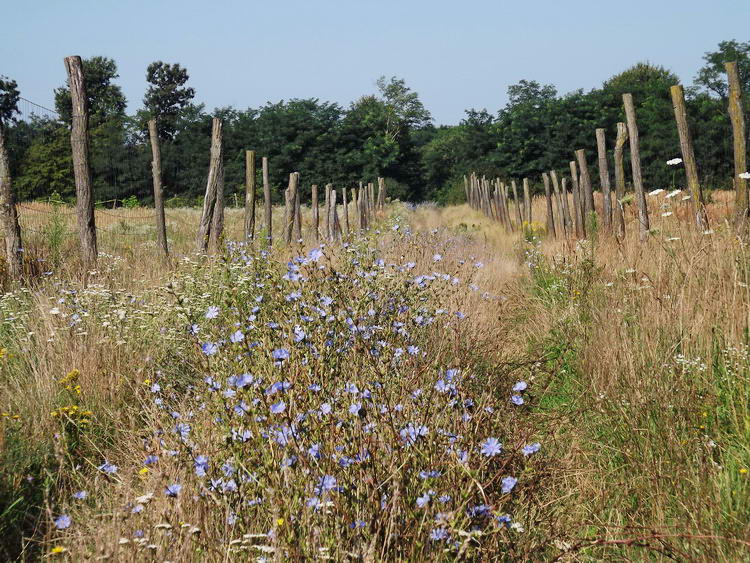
<point>161,228</point>
<point>291,212</point>
<point>622,137</point>
<point>11,228</point>
<point>550,212</point>
<point>586,190</point>
<point>635,165</point>
<point>215,173</point>
<point>577,201</point>
<point>346,212</point>
<point>741,202</point>
<point>328,212</point>
<point>697,202</point>
<point>79,142</point>
<point>249,195</point>
<point>267,203</point>
<point>381,194</point>
<point>601,147</point>
<point>217,221</point>
<point>526,201</point>
<point>315,214</point>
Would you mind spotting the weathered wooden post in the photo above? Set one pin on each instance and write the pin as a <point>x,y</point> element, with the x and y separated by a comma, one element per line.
<point>328,212</point>
<point>381,193</point>
<point>550,213</point>
<point>215,173</point>
<point>217,221</point>
<point>519,218</point>
<point>577,203</point>
<point>635,165</point>
<point>622,137</point>
<point>249,195</point>
<point>346,212</point>
<point>11,228</point>
<point>297,213</point>
<point>586,190</point>
<point>267,202</point>
<point>565,220</point>
<point>741,209</point>
<point>315,214</point>
<point>526,201</point>
<point>332,216</point>
<point>291,213</point>
<point>601,148</point>
<point>79,142</point>
<point>697,203</point>
<point>506,203</point>
<point>161,228</point>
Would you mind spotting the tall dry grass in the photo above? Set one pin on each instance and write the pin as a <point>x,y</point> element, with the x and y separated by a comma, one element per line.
<point>636,353</point>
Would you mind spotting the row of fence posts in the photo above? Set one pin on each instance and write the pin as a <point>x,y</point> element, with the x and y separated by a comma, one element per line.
<point>366,202</point>
<point>492,197</point>
<point>210,228</point>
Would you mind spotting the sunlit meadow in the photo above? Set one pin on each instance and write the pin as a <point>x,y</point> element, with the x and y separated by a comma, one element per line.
<point>435,389</point>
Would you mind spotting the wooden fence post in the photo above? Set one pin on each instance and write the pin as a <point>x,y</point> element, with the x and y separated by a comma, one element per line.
<point>550,213</point>
<point>527,201</point>
<point>161,228</point>
<point>635,165</point>
<point>688,157</point>
<point>567,221</point>
<point>297,213</point>
<point>741,210</point>
<point>586,190</point>
<point>622,137</point>
<point>327,216</point>
<point>267,203</point>
<point>563,228</point>
<point>563,202</point>
<point>346,212</point>
<point>519,218</point>
<point>79,142</point>
<point>212,187</point>
<point>217,222</point>
<point>332,216</point>
<point>249,195</point>
<point>577,201</point>
<point>315,213</point>
<point>381,193</point>
<point>291,214</point>
<point>11,228</point>
<point>601,147</point>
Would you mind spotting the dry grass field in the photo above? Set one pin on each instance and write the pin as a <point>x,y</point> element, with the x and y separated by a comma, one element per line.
<point>436,389</point>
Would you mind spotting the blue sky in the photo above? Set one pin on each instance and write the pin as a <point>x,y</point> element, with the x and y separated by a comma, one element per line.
<point>456,55</point>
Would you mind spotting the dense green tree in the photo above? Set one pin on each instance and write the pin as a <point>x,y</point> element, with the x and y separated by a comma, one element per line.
<point>167,95</point>
<point>712,76</point>
<point>105,98</point>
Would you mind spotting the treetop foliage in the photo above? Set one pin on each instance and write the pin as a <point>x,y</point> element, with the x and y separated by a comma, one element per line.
<point>386,133</point>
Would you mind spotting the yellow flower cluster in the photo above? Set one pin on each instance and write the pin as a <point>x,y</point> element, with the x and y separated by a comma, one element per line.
<point>11,416</point>
<point>74,413</point>
<point>70,381</point>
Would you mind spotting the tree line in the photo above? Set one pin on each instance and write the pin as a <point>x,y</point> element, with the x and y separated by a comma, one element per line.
<point>386,134</point>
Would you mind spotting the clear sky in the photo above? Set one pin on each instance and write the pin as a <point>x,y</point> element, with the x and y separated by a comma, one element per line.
<point>456,55</point>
